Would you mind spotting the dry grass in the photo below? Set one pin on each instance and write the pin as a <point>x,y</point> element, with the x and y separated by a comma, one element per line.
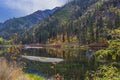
<point>10,71</point>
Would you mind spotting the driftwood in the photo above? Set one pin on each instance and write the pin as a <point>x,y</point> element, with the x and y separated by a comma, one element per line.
<point>43,59</point>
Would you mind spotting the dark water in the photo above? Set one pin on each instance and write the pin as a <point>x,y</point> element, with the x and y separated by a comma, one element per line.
<point>76,62</point>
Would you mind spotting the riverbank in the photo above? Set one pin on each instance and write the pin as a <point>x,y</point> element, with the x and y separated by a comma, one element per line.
<point>68,45</point>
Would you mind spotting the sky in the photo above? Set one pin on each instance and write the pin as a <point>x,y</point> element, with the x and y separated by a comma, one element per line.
<point>18,8</point>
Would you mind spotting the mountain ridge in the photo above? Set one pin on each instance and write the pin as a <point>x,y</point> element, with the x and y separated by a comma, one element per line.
<point>55,22</point>
<point>19,25</point>
<point>79,21</point>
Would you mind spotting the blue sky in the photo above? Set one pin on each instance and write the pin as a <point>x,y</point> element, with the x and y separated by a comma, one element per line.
<point>19,8</point>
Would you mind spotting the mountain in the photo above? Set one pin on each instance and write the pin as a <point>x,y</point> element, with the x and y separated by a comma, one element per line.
<point>19,25</point>
<point>0,24</point>
<point>79,21</point>
<point>54,25</point>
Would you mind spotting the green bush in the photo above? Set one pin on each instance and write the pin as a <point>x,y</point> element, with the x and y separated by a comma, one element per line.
<point>110,53</point>
<point>104,72</point>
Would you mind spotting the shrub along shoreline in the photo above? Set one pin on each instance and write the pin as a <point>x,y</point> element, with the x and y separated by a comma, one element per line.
<point>10,71</point>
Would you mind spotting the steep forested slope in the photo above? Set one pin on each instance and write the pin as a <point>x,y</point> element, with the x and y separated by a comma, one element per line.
<point>83,21</point>
<point>54,25</point>
<point>19,25</point>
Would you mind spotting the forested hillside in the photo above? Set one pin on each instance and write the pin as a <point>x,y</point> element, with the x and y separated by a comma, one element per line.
<point>81,21</point>
<point>19,25</point>
<point>78,41</point>
<point>53,28</point>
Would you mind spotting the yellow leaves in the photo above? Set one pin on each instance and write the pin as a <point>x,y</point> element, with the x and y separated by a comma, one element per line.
<point>117,11</point>
<point>57,77</point>
<point>54,63</point>
<point>1,51</point>
<point>110,53</point>
<point>12,50</point>
<point>15,35</point>
<point>13,57</point>
<point>104,18</point>
<point>10,71</point>
<point>118,52</point>
<point>10,41</point>
<point>8,50</point>
<point>20,42</point>
<point>1,39</point>
<point>115,34</point>
<point>52,67</point>
<point>113,57</point>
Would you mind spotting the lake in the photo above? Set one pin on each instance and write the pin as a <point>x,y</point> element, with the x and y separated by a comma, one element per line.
<point>74,65</point>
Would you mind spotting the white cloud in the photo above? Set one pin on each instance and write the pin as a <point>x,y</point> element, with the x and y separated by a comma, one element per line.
<point>30,6</point>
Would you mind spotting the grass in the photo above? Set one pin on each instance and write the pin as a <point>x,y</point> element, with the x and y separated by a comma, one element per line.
<point>34,77</point>
<point>9,71</point>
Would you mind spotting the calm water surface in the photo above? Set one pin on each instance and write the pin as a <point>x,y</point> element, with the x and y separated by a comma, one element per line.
<point>76,62</point>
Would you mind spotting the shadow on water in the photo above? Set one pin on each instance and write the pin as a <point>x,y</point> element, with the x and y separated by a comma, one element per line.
<point>76,62</point>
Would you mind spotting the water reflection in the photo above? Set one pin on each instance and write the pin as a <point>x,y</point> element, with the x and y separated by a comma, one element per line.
<point>43,59</point>
<point>76,63</point>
